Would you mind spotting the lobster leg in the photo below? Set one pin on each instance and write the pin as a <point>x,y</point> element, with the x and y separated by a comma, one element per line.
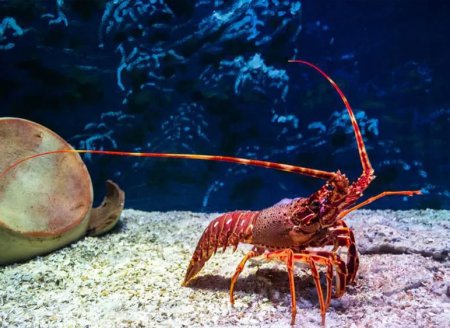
<point>329,260</point>
<point>348,240</point>
<point>290,269</point>
<point>316,277</point>
<point>352,257</point>
<point>329,277</point>
<point>374,198</point>
<point>343,236</point>
<point>311,258</point>
<point>333,259</point>
<point>340,235</point>
<point>256,251</point>
<point>287,256</point>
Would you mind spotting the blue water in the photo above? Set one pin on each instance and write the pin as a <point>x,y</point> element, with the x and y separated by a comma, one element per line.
<point>212,77</point>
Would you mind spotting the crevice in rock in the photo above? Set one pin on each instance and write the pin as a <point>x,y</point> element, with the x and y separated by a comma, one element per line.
<point>413,285</point>
<point>392,249</point>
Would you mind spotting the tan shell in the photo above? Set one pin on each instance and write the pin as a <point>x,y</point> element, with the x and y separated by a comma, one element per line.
<point>45,202</point>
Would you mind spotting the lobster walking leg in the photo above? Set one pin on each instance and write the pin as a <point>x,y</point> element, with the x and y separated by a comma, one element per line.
<point>328,259</point>
<point>316,278</point>
<point>287,256</point>
<point>256,251</point>
<point>340,235</point>
<point>341,270</point>
<point>352,257</point>
<point>290,269</point>
<point>305,258</point>
<point>343,236</point>
<point>329,277</point>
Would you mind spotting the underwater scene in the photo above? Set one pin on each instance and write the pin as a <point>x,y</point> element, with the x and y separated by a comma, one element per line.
<point>306,140</point>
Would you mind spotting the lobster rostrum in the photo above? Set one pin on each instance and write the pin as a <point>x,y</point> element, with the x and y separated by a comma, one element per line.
<point>289,231</point>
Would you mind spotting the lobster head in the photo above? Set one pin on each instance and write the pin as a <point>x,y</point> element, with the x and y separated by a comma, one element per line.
<point>319,211</point>
<point>296,222</point>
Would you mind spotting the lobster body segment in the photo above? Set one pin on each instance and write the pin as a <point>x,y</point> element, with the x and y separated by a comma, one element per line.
<point>229,229</point>
<point>268,228</point>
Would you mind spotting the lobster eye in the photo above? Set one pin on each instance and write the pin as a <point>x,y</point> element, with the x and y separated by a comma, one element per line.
<point>315,203</point>
<point>329,187</point>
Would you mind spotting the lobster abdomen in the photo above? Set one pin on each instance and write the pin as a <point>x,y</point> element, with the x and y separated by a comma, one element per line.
<point>226,230</point>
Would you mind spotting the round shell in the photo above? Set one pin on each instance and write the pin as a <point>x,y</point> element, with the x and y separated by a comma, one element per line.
<point>45,202</point>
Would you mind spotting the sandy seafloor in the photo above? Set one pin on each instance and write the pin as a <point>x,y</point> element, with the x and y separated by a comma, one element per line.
<point>132,278</point>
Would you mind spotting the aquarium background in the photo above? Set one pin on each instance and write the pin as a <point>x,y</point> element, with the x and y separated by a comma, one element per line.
<point>212,77</point>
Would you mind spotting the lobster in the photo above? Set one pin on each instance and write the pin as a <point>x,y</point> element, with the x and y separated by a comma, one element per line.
<point>291,230</point>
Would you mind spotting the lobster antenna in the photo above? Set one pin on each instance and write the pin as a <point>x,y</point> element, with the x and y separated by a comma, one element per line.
<point>244,161</point>
<point>367,167</point>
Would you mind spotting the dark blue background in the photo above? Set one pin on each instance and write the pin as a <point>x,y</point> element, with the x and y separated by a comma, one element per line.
<point>212,77</point>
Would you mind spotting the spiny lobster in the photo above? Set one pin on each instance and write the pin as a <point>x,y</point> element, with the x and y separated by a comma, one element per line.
<point>291,230</point>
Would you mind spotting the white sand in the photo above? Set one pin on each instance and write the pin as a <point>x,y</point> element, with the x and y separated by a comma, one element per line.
<point>132,278</point>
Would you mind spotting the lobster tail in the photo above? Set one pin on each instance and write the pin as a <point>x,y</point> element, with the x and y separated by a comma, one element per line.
<point>228,229</point>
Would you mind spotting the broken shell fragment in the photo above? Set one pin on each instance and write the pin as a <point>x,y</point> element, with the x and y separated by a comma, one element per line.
<point>105,217</point>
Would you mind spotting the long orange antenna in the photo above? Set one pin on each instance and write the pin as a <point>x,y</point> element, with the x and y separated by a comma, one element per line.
<point>367,167</point>
<point>272,165</point>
